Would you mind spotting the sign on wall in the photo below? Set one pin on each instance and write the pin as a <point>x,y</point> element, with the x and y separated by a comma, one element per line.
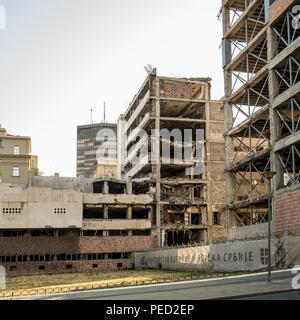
<point>238,256</point>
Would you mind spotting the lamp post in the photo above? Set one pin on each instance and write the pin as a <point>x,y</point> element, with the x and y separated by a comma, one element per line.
<point>269,175</point>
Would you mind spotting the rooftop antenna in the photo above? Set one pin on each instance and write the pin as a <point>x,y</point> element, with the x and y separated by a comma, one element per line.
<point>148,68</point>
<point>104,112</point>
<point>91,116</point>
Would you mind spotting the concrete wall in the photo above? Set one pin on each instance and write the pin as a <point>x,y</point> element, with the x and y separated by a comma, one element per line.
<point>248,232</point>
<point>237,256</point>
<point>56,182</point>
<point>36,208</point>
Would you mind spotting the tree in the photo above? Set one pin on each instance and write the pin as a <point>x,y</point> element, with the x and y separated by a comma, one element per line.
<point>36,172</point>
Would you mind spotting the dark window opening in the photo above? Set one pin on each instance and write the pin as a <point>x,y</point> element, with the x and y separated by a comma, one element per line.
<point>120,265</point>
<point>141,232</point>
<point>216,218</point>
<point>69,266</point>
<point>177,238</point>
<point>118,233</point>
<point>93,213</point>
<point>95,266</point>
<point>127,255</point>
<point>116,256</point>
<point>196,218</point>
<point>63,233</point>
<point>41,267</point>
<point>117,213</point>
<point>116,188</point>
<point>42,233</point>
<point>98,187</point>
<point>12,268</point>
<point>140,213</point>
<point>92,233</point>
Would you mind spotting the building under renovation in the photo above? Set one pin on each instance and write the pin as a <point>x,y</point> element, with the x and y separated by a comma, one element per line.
<point>261,51</point>
<point>185,173</point>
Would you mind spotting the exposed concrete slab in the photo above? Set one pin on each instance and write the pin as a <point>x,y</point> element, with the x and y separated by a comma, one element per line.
<point>286,95</point>
<point>286,142</point>
<point>117,199</point>
<point>116,224</point>
<point>284,54</point>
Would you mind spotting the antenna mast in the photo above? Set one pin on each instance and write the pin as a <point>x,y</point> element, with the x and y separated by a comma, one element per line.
<point>91,116</point>
<point>104,112</point>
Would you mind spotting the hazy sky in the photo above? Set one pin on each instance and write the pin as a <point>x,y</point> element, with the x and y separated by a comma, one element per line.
<point>60,58</point>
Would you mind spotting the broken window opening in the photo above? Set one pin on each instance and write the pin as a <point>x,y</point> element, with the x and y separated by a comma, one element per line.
<point>117,213</point>
<point>196,218</point>
<point>93,213</point>
<point>140,213</point>
<point>141,232</point>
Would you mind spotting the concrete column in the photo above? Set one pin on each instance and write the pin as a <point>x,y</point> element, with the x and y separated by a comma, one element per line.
<point>157,165</point>
<point>129,185</point>
<point>105,187</point>
<point>129,213</point>
<point>274,118</point>
<point>105,212</point>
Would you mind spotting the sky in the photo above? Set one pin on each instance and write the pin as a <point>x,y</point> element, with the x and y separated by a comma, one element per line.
<point>61,58</point>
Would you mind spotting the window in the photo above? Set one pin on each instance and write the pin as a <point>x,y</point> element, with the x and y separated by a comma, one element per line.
<point>216,218</point>
<point>1,143</point>
<point>16,150</point>
<point>16,171</point>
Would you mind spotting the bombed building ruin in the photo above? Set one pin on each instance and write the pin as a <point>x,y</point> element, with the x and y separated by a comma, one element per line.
<point>170,143</point>
<point>262,113</point>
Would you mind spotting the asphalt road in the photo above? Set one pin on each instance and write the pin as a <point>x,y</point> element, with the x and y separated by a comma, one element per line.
<point>294,295</point>
<point>233,287</point>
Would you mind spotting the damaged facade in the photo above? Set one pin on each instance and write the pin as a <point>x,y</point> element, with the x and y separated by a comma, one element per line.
<point>59,224</point>
<point>188,203</point>
<point>262,114</point>
<point>56,225</point>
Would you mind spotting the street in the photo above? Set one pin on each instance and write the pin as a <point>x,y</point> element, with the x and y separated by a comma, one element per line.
<point>228,288</point>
